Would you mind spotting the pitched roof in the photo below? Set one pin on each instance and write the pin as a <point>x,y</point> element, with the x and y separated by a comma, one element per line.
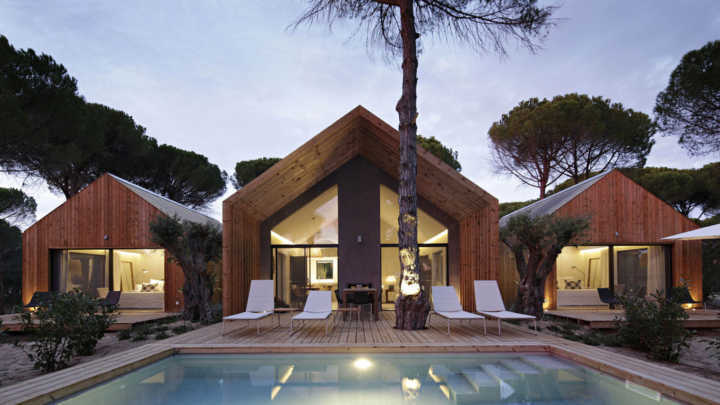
<point>553,202</point>
<point>357,133</point>
<point>167,206</point>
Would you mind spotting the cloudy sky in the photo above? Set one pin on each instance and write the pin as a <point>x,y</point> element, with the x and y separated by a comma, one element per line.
<point>228,80</point>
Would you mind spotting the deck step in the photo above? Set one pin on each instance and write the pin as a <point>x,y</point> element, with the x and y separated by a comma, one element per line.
<point>549,363</point>
<point>504,378</point>
<point>520,367</point>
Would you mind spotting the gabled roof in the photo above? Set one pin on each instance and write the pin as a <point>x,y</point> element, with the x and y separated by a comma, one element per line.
<point>358,133</point>
<point>553,202</point>
<point>167,206</point>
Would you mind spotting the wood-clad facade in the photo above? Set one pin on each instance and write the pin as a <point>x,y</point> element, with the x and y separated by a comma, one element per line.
<point>358,154</point>
<point>104,215</point>
<point>624,213</point>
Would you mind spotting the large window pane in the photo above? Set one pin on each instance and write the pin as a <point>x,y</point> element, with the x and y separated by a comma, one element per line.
<point>429,229</point>
<point>139,270</point>
<point>639,269</point>
<point>299,270</point>
<point>433,266</point>
<point>583,267</point>
<point>314,223</point>
<point>86,270</point>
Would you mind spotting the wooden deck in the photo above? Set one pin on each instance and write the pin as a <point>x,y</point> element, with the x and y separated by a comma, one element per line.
<point>364,336</point>
<point>125,319</point>
<point>605,318</point>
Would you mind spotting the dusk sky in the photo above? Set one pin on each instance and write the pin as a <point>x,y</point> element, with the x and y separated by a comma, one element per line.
<point>227,79</point>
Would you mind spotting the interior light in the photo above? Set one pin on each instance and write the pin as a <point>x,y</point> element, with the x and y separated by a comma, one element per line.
<point>283,239</point>
<point>122,252</point>
<point>593,250</point>
<point>362,364</point>
<point>390,279</point>
<point>437,237</point>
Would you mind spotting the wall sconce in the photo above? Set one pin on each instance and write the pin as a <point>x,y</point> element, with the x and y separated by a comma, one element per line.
<point>359,239</point>
<point>106,237</point>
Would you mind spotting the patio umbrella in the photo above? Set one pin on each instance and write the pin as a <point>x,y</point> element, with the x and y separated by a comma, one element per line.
<point>708,232</point>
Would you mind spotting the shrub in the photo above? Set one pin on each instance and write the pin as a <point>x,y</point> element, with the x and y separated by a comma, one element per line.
<point>141,332</point>
<point>179,330</point>
<point>124,334</point>
<point>654,325</point>
<point>161,335</point>
<point>69,324</point>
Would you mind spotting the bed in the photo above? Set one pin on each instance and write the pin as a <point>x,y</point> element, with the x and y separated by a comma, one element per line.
<point>142,300</point>
<point>578,297</point>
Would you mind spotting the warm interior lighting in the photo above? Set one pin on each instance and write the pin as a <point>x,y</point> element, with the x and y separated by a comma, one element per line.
<point>437,237</point>
<point>282,239</point>
<point>275,391</point>
<point>687,306</point>
<point>362,364</point>
<point>129,253</point>
<point>286,375</point>
<point>390,279</point>
<point>593,250</point>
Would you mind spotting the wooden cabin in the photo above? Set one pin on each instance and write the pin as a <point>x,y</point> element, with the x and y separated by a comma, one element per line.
<point>623,248</point>
<point>325,217</point>
<point>99,241</point>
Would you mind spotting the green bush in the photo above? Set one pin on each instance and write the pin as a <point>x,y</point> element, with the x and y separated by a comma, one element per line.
<point>161,335</point>
<point>654,326</point>
<point>124,334</point>
<point>68,324</point>
<point>179,330</point>
<point>141,332</point>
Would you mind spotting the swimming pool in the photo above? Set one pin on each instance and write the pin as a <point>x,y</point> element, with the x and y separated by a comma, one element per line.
<point>375,379</point>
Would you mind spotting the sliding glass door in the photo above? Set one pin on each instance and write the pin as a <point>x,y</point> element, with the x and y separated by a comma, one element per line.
<point>87,270</point>
<point>639,269</point>
<point>298,270</point>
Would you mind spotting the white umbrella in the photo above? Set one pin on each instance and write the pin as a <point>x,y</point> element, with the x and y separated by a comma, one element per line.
<point>708,232</point>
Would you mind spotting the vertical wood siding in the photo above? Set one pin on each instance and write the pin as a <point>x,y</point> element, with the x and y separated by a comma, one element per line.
<point>105,207</point>
<point>623,212</point>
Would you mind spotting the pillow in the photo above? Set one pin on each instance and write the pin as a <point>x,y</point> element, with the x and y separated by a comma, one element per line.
<point>159,284</point>
<point>147,287</point>
<point>138,287</point>
<point>573,284</point>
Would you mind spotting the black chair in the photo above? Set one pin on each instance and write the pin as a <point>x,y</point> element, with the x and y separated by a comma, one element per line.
<point>111,299</point>
<point>39,298</point>
<point>360,298</point>
<point>607,297</point>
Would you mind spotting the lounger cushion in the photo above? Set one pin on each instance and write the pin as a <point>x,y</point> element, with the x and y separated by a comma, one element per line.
<point>318,301</point>
<point>459,315</point>
<point>261,297</point>
<point>506,315</point>
<point>445,299</point>
<point>311,315</point>
<point>487,296</point>
<point>246,316</point>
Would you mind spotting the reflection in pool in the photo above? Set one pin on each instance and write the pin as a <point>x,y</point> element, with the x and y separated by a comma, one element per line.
<point>366,379</point>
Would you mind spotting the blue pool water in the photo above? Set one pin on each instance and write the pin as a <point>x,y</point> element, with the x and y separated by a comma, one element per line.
<point>372,379</point>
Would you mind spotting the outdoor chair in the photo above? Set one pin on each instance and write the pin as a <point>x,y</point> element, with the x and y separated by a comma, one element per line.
<point>607,296</point>
<point>260,304</point>
<point>39,298</point>
<point>446,304</point>
<point>111,299</point>
<point>318,307</point>
<point>489,302</point>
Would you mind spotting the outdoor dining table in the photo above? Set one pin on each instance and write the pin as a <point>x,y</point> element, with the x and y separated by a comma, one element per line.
<point>373,295</point>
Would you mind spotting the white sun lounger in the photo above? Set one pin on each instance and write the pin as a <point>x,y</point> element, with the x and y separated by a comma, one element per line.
<point>261,303</point>
<point>447,304</point>
<point>318,307</point>
<point>489,302</point>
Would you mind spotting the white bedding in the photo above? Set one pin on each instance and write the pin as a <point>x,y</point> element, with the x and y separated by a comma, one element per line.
<point>586,297</point>
<point>141,300</point>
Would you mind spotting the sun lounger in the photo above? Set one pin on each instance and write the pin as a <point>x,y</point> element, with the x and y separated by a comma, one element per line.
<point>318,307</point>
<point>261,303</point>
<point>489,302</point>
<point>447,305</point>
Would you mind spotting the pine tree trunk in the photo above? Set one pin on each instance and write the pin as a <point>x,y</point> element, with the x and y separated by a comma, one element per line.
<point>196,295</point>
<point>531,295</point>
<point>411,306</point>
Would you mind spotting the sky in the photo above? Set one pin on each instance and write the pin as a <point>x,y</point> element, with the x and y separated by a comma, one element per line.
<point>229,80</point>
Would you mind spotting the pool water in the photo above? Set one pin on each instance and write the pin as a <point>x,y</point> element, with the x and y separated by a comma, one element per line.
<point>375,379</point>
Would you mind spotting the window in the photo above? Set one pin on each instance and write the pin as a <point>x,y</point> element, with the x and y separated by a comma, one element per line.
<point>639,269</point>
<point>304,250</point>
<point>429,229</point>
<point>87,270</point>
<point>139,270</point>
<point>315,223</point>
<point>432,244</point>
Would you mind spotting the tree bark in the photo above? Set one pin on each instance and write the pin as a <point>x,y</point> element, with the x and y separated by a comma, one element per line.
<point>411,306</point>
